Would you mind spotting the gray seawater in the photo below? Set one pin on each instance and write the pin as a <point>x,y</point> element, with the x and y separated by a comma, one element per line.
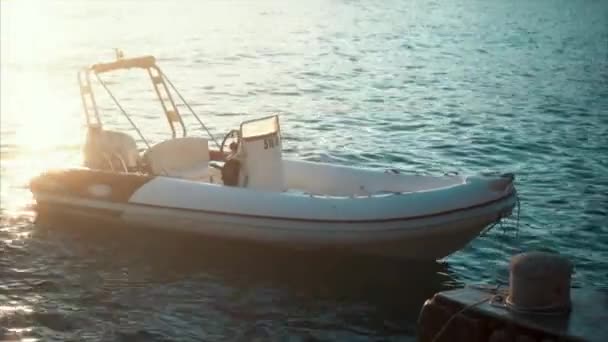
<point>424,86</point>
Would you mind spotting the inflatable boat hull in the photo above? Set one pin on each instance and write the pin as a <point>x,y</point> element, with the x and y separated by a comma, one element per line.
<point>425,225</point>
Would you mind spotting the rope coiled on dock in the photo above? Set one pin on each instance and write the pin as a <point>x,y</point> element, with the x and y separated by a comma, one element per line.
<point>461,311</point>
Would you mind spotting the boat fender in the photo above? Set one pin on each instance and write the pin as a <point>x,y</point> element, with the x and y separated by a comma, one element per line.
<point>230,172</point>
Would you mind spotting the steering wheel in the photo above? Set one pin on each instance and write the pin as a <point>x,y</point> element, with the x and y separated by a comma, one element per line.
<point>234,134</point>
<point>231,168</point>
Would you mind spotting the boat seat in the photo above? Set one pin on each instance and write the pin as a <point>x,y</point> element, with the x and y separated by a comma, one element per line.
<point>186,157</point>
<point>102,148</point>
<point>196,172</point>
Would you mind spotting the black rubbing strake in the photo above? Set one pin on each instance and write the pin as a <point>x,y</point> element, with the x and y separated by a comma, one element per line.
<point>78,182</point>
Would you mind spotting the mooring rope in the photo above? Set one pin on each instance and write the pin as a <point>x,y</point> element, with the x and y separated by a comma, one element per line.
<point>548,310</point>
<point>495,292</point>
<point>518,201</point>
<point>459,312</point>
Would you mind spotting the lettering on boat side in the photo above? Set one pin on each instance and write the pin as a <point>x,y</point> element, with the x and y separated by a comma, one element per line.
<point>100,190</point>
<point>271,141</point>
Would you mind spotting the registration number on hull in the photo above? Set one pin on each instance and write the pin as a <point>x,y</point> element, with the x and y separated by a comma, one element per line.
<point>271,141</point>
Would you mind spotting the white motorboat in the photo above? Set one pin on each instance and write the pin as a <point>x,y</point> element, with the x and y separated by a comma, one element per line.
<point>246,190</point>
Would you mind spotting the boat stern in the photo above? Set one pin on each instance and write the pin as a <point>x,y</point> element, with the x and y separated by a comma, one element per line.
<point>87,184</point>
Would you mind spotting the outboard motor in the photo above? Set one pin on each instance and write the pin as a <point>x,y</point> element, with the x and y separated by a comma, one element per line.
<point>259,156</point>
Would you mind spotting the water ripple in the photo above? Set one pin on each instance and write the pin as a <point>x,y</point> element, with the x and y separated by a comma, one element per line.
<point>466,89</point>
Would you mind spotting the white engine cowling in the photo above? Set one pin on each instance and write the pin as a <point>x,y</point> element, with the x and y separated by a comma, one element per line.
<point>261,155</point>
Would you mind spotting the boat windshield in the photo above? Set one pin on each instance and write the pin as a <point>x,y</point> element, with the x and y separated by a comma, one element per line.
<point>260,127</point>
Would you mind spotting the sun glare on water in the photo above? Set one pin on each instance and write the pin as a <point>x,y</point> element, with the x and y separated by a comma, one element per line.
<point>40,118</point>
